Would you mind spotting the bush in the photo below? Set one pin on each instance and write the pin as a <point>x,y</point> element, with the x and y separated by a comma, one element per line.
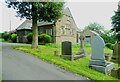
<point>109,45</point>
<point>14,37</point>
<point>0,35</point>
<point>6,36</point>
<point>44,38</point>
<point>29,37</point>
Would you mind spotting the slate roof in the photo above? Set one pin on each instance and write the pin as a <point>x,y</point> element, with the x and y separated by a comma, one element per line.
<point>27,24</point>
<point>42,23</point>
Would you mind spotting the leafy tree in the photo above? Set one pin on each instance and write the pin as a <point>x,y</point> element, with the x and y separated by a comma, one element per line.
<point>6,36</point>
<point>116,21</point>
<point>37,11</point>
<point>109,36</point>
<point>94,27</point>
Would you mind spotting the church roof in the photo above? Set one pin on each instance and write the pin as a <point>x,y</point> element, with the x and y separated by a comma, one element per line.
<point>27,24</point>
<point>67,11</point>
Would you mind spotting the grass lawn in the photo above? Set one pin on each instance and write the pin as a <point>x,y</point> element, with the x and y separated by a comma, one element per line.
<point>1,40</point>
<point>80,66</point>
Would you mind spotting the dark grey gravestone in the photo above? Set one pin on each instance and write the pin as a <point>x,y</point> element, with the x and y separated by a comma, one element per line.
<point>67,50</point>
<point>119,72</point>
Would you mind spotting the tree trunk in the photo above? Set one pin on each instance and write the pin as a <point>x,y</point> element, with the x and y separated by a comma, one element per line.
<point>34,26</point>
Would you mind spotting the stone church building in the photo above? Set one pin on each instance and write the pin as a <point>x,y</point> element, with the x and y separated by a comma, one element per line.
<point>64,29</point>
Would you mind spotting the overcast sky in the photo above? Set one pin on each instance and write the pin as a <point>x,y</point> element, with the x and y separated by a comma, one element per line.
<point>84,13</point>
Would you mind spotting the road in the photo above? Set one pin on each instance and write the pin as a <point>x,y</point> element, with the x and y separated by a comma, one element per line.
<point>17,65</point>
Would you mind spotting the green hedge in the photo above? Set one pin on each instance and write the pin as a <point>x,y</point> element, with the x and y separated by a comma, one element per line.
<point>14,37</point>
<point>44,38</point>
<point>29,37</point>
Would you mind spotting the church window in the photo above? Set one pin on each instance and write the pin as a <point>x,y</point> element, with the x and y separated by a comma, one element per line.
<point>49,31</point>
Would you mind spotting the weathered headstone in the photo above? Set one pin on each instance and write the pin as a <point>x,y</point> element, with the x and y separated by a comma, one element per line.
<point>115,52</point>
<point>98,61</point>
<point>81,52</point>
<point>56,52</point>
<point>116,73</point>
<point>67,50</point>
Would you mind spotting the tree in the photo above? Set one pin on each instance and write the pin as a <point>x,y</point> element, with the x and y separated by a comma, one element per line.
<point>116,21</point>
<point>37,11</point>
<point>116,28</point>
<point>109,36</point>
<point>94,27</point>
<point>6,36</point>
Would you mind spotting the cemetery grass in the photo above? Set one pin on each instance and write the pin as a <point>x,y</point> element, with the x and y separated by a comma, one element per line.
<point>80,66</point>
<point>1,40</point>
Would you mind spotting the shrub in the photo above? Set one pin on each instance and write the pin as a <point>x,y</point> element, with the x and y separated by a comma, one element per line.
<point>109,45</point>
<point>29,37</point>
<point>0,35</point>
<point>44,38</point>
<point>14,37</point>
<point>6,36</point>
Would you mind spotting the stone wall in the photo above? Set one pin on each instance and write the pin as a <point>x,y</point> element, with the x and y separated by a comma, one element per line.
<point>66,29</point>
<point>60,39</point>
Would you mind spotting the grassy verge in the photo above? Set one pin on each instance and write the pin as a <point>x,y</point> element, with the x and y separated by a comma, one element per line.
<point>1,40</point>
<point>80,66</point>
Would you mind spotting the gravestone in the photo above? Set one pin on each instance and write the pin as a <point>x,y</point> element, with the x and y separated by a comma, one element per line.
<point>115,52</point>
<point>56,52</point>
<point>81,52</point>
<point>116,73</point>
<point>98,61</point>
<point>67,50</point>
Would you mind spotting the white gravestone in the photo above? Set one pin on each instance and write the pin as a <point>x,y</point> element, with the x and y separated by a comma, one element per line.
<point>98,61</point>
<point>97,45</point>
